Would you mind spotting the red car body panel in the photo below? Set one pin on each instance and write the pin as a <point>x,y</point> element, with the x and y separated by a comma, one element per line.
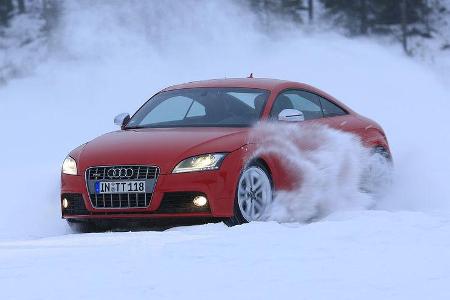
<point>166,147</point>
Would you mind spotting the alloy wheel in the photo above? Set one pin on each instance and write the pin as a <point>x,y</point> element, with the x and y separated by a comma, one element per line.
<point>254,193</point>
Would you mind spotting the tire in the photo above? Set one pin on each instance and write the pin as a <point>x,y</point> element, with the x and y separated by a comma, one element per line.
<point>377,176</point>
<point>83,226</point>
<point>254,194</point>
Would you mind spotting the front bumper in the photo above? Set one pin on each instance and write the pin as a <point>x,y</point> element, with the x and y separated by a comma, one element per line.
<point>172,195</point>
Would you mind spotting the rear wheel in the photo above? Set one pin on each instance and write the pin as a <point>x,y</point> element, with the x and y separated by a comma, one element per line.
<point>377,176</point>
<point>253,195</point>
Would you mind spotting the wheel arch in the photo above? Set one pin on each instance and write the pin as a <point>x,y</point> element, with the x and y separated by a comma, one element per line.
<point>269,166</point>
<point>261,161</point>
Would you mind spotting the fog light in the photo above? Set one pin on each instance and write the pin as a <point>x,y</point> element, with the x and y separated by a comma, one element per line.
<point>65,203</point>
<point>200,201</point>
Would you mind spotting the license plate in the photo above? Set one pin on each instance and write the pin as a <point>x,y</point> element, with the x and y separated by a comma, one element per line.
<point>119,187</point>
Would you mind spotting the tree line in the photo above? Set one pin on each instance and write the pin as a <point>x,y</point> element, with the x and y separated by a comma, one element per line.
<point>47,10</point>
<point>401,19</point>
<point>8,8</point>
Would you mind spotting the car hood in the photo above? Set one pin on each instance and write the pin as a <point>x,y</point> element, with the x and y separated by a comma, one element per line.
<point>164,147</point>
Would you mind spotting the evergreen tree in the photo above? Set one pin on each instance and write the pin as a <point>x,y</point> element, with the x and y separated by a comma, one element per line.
<point>6,11</point>
<point>51,12</point>
<point>402,19</point>
<point>354,15</point>
<point>270,10</point>
<point>21,6</point>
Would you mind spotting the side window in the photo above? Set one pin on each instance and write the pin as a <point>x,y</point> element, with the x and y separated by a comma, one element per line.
<point>197,110</point>
<point>330,109</point>
<point>307,103</point>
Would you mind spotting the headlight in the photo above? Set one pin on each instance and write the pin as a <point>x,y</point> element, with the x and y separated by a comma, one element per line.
<point>69,166</point>
<point>200,163</point>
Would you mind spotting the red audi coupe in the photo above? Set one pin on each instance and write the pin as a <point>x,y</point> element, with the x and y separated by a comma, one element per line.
<point>185,153</point>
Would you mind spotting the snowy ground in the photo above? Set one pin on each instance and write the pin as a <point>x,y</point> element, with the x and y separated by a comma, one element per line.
<point>359,255</point>
<point>114,61</point>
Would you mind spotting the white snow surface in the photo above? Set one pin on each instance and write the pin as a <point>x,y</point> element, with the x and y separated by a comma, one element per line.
<point>358,255</point>
<point>109,57</point>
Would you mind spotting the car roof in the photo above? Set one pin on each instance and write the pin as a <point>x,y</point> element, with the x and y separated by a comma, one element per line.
<point>272,85</point>
<point>257,83</point>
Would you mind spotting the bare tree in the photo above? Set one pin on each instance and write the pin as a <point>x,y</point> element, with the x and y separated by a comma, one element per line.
<point>363,17</point>
<point>21,6</point>
<point>311,10</point>
<point>404,24</point>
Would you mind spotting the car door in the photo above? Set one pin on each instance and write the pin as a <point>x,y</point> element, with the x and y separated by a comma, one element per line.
<point>309,104</point>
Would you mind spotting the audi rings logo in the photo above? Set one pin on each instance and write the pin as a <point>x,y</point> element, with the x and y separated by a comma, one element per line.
<point>115,173</point>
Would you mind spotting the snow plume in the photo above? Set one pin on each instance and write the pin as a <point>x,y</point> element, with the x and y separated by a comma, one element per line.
<point>327,165</point>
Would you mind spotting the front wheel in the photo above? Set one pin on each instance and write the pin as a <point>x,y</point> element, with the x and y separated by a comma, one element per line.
<point>78,226</point>
<point>253,195</point>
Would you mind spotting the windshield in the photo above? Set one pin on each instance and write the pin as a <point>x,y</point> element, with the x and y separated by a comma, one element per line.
<point>202,107</point>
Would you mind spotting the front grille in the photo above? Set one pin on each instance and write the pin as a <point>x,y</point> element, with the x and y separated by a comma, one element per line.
<point>120,200</point>
<point>181,202</point>
<point>76,205</point>
<point>123,200</point>
<point>139,172</point>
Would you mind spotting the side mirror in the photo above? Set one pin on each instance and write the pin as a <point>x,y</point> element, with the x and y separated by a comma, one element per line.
<point>291,115</point>
<point>122,120</point>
